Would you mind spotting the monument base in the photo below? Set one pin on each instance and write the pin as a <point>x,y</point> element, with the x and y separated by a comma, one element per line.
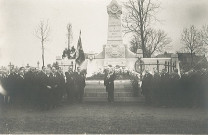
<point>115,62</point>
<point>114,51</point>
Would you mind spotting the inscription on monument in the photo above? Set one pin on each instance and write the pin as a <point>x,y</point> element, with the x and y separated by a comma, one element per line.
<point>114,22</point>
<point>114,47</point>
<point>114,28</point>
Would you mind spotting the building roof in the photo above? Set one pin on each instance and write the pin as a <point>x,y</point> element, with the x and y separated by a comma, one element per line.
<point>185,56</point>
<point>165,55</point>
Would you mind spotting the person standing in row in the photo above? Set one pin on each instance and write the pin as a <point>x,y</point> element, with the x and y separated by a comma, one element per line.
<point>109,83</point>
<point>55,91</point>
<point>4,85</point>
<point>70,84</point>
<point>164,87</point>
<point>147,84</point>
<point>79,84</point>
<point>174,88</point>
<point>156,88</point>
<point>21,88</point>
<point>45,88</point>
<point>61,84</point>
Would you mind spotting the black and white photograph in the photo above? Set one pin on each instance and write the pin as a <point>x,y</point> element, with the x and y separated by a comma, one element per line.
<point>103,66</point>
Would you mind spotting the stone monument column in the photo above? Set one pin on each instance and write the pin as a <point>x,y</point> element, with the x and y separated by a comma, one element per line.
<point>115,49</point>
<point>114,24</point>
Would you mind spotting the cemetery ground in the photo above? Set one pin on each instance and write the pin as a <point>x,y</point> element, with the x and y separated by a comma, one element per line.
<point>92,117</point>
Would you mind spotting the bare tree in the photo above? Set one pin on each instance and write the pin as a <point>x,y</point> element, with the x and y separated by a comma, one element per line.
<point>69,34</point>
<point>204,36</point>
<point>134,44</point>
<point>191,40</point>
<point>42,33</point>
<point>138,19</point>
<point>155,41</point>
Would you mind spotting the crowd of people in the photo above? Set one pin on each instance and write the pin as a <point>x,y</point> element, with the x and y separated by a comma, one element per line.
<point>47,88</point>
<point>44,88</point>
<point>171,89</point>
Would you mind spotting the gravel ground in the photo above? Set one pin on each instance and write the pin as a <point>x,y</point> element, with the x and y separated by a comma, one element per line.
<point>104,118</point>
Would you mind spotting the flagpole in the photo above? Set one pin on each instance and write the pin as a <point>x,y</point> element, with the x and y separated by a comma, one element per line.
<point>76,53</point>
<point>79,53</point>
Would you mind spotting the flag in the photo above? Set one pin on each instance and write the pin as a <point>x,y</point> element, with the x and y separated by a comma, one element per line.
<point>80,57</point>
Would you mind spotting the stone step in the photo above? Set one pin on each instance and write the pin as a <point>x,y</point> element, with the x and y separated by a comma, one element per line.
<point>116,99</point>
<point>95,91</point>
<point>95,99</point>
<point>104,94</point>
<point>101,82</point>
<point>103,87</point>
<point>104,90</point>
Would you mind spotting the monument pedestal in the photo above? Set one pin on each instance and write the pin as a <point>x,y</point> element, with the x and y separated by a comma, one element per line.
<point>115,62</point>
<point>114,51</point>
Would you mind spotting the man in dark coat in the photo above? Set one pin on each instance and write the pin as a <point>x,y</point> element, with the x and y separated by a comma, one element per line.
<point>174,88</point>
<point>70,84</point>
<point>45,88</point>
<point>164,87</point>
<point>156,88</point>
<point>193,88</point>
<point>55,91</point>
<point>184,89</point>
<point>197,88</point>
<point>29,85</point>
<point>35,87</point>
<point>109,83</point>
<point>61,84</point>
<point>4,98</point>
<point>147,83</point>
<point>12,86</point>
<point>204,87</point>
<point>41,87</point>
<point>1,86</point>
<point>21,87</point>
<point>79,84</point>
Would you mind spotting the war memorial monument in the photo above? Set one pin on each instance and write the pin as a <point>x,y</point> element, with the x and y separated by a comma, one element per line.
<point>116,53</point>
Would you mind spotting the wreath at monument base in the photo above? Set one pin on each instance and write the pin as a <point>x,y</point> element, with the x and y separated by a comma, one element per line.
<point>121,74</point>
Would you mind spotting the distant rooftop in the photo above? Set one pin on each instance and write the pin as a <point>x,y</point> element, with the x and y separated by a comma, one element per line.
<point>165,55</point>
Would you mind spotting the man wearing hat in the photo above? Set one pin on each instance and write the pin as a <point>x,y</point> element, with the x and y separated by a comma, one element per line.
<point>79,84</point>
<point>70,84</point>
<point>147,84</point>
<point>109,83</point>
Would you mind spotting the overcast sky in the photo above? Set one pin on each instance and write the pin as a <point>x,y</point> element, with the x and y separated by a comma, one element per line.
<point>19,18</point>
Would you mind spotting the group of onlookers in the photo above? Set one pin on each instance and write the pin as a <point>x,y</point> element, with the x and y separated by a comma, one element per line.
<point>44,88</point>
<point>171,89</point>
<point>47,88</point>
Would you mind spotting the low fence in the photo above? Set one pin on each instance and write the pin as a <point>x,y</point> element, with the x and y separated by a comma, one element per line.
<point>158,64</point>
